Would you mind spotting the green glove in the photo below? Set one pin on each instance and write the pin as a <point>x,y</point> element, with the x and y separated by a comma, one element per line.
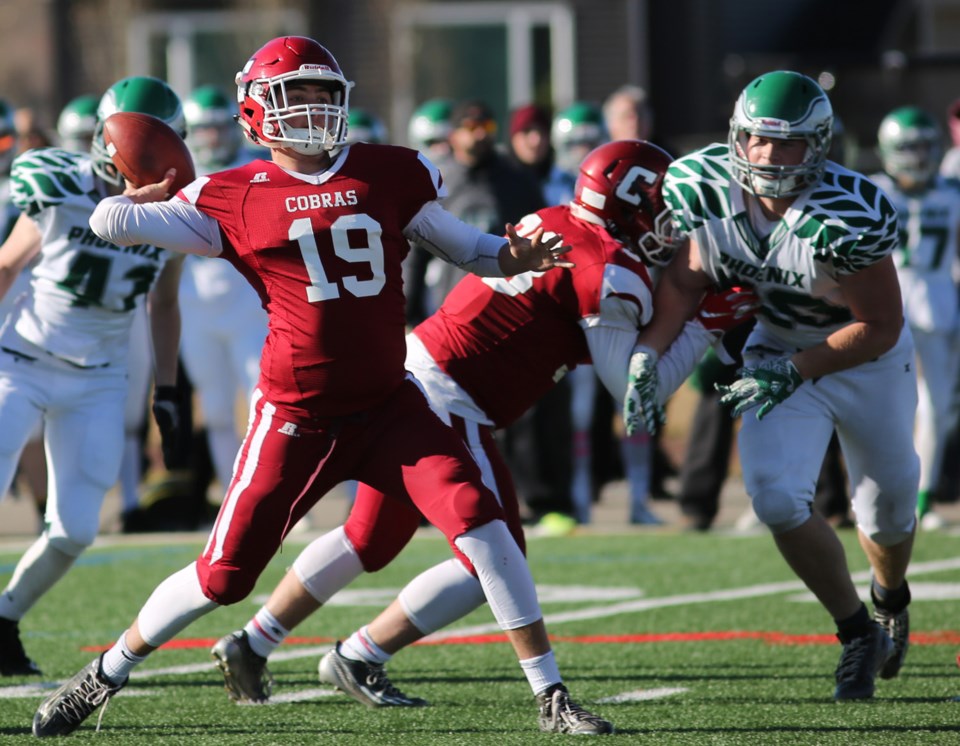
<point>641,405</point>
<point>764,386</point>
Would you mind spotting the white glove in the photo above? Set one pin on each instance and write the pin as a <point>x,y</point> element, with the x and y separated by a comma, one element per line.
<point>641,405</point>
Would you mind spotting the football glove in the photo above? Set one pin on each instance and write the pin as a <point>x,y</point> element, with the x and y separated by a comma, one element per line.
<point>640,405</point>
<point>166,412</point>
<point>765,385</point>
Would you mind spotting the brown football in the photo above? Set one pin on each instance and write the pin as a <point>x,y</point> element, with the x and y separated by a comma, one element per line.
<point>143,148</point>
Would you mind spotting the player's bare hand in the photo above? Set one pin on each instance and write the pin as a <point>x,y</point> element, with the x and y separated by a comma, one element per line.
<point>151,192</point>
<point>537,252</point>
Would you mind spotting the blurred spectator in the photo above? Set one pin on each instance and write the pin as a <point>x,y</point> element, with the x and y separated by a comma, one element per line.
<point>628,115</point>
<point>950,165</point>
<point>529,144</point>
<point>484,187</point>
<point>29,133</point>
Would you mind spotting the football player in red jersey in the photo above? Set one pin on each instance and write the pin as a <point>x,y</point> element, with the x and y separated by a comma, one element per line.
<point>527,331</point>
<point>320,231</point>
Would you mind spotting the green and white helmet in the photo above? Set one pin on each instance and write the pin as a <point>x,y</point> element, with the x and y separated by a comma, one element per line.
<point>781,105</point>
<point>362,126</point>
<point>430,123</point>
<point>77,123</point>
<point>8,138</point>
<point>576,131</point>
<point>142,94</point>
<point>910,144</point>
<point>213,135</point>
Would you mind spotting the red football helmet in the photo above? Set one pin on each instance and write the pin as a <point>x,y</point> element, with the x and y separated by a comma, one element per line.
<point>265,112</point>
<point>619,188</point>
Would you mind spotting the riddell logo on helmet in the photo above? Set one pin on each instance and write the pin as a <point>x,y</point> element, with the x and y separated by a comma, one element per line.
<point>773,124</point>
<point>315,67</point>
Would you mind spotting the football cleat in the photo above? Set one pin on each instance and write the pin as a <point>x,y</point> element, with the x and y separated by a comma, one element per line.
<point>245,674</point>
<point>862,659</point>
<point>897,626</point>
<point>366,682</point>
<point>560,714</point>
<point>13,658</point>
<point>62,712</point>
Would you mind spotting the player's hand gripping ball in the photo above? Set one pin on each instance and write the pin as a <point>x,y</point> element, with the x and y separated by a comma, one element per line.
<point>144,148</point>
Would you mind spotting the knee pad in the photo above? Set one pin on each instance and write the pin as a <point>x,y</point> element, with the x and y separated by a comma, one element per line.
<point>73,545</point>
<point>890,538</point>
<point>779,511</point>
<point>441,595</point>
<point>327,565</point>
<point>226,585</point>
<point>503,572</point>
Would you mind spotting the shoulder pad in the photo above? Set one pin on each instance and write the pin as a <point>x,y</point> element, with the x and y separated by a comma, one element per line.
<point>46,177</point>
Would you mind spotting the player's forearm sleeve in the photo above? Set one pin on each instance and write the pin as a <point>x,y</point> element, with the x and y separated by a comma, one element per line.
<point>175,225</point>
<point>678,362</point>
<point>450,239</point>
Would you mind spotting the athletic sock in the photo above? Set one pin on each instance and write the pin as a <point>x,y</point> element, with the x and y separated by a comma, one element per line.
<point>856,625</point>
<point>265,633</point>
<point>119,661</point>
<point>361,647</point>
<point>892,601</point>
<point>542,672</point>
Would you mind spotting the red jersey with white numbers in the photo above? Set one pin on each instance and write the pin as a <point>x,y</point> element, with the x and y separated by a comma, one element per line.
<point>508,341</point>
<point>324,253</point>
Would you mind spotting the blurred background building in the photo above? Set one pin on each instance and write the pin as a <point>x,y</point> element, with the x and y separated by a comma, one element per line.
<point>693,56</point>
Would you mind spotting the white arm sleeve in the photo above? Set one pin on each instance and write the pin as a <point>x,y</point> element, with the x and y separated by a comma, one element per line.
<point>678,362</point>
<point>611,348</point>
<point>175,225</point>
<point>449,238</point>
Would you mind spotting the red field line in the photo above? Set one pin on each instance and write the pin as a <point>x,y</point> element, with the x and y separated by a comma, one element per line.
<point>940,637</point>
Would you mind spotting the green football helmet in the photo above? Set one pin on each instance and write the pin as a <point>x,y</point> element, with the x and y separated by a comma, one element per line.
<point>781,105</point>
<point>430,124</point>
<point>362,126</point>
<point>77,122</point>
<point>142,94</point>
<point>910,144</point>
<point>8,138</point>
<point>213,135</point>
<point>576,131</point>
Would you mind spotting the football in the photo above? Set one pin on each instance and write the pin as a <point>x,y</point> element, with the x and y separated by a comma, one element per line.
<point>143,148</point>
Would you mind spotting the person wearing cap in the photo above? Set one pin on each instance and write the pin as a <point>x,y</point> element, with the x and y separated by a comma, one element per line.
<point>484,188</point>
<point>529,144</point>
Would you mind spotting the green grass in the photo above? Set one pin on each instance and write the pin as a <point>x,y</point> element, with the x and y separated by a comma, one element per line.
<point>740,691</point>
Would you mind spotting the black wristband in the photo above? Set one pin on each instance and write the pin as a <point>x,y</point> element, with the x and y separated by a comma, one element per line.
<point>165,393</point>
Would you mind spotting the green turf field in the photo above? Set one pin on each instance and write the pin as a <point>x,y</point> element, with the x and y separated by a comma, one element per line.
<point>676,638</point>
